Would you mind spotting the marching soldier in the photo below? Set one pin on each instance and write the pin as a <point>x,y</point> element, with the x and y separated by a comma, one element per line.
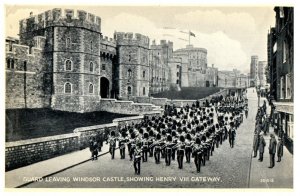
<point>129,143</point>
<point>150,142</point>
<point>188,148</point>
<point>94,148</point>
<point>163,142</point>
<point>174,140</point>
<point>132,145</point>
<point>232,134</point>
<point>157,149</point>
<point>112,140</point>
<point>99,139</point>
<point>137,159</point>
<point>168,150</point>
<point>180,151</point>
<point>145,147</point>
<point>122,141</point>
<point>197,151</point>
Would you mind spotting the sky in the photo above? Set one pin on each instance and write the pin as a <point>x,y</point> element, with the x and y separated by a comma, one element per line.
<point>231,35</point>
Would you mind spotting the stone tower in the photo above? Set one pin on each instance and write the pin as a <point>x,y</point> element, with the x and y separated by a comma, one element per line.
<point>72,55</point>
<point>254,71</point>
<point>133,65</point>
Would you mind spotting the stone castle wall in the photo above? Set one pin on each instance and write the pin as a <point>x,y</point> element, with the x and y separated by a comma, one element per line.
<point>25,77</point>
<point>26,152</point>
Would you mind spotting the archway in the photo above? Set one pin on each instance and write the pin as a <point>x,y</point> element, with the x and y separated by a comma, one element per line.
<point>104,87</point>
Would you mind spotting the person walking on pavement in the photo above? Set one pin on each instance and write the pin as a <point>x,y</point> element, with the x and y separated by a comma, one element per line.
<point>279,149</point>
<point>272,150</point>
<point>232,134</point>
<point>261,146</point>
<point>255,143</point>
<point>112,140</point>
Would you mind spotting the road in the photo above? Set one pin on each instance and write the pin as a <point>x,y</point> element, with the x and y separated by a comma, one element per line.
<point>228,167</point>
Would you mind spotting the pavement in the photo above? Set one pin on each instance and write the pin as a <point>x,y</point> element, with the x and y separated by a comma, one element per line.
<point>280,176</point>
<point>227,168</point>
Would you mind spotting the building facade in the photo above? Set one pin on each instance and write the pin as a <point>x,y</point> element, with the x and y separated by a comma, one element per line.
<point>262,73</point>
<point>281,70</point>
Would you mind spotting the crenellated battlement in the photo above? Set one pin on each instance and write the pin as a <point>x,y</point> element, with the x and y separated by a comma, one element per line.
<point>60,17</point>
<point>108,41</point>
<point>130,38</point>
<point>163,44</point>
<point>23,51</point>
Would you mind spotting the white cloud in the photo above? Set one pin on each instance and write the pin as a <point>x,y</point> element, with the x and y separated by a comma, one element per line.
<point>224,52</point>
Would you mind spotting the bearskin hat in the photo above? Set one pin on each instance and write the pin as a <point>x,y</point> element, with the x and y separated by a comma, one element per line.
<point>112,133</point>
<point>158,136</point>
<point>181,138</point>
<point>188,136</point>
<point>146,135</point>
<point>198,141</point>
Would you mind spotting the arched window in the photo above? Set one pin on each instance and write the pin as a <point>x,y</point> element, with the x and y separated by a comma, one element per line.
<point>129,73</point>
<point>129,90</point>
<point>91,67</point>
<point>68,65</point>
<point>68,42</point>
<point>91,88</point>
<point>144,74</point>
<point>68,88</point>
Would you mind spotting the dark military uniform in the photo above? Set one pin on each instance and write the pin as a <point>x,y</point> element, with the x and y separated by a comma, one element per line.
<point>137,159</point>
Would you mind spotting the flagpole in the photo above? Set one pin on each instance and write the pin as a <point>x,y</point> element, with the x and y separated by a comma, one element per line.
<point>189,37</point>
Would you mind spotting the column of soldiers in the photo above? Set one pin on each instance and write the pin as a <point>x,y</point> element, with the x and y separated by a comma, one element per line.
<point>185,132</point>
<point>261,129</point>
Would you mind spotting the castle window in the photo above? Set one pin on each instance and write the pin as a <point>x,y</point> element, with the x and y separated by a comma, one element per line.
<point>129,73</point>
<point>8,63</point>
<point>129,58</point>
<point>25,65</point>
<point>68,42</point>
<point>129,90</point>
<point>282,87</point>
<point>177,81</point>
<point>144,91</point>
<point>144,74</point>
<point>91,67</point>
<point>68,88</point>
<point>177,74</point>
<point>91,44</point>
<point>12,64</point>
<point>288,86</point>
<point>68,65</point>
<point>103,67</point>
<point>91,88</point>
<point>284,52</point>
